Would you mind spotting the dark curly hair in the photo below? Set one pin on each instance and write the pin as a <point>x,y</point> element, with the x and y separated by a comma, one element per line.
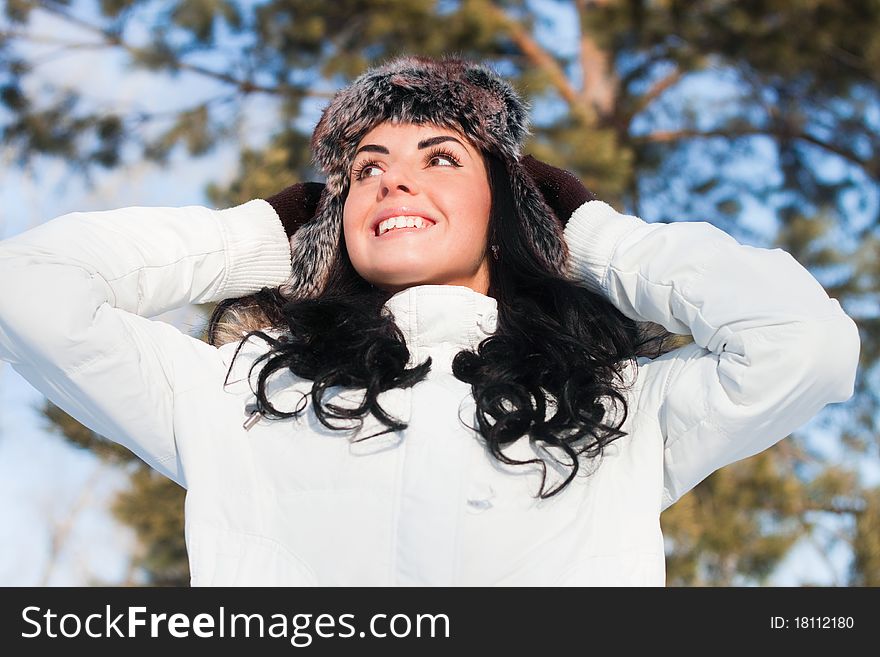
<point>557,342</point>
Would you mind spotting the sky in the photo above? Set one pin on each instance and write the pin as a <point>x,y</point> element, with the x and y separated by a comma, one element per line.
<point>50,490</point>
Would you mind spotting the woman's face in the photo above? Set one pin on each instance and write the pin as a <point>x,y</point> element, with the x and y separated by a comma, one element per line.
<point>418,174</point>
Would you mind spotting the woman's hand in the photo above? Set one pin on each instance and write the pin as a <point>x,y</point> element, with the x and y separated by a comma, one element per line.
<point>296,204</point>
<point>562,190</point>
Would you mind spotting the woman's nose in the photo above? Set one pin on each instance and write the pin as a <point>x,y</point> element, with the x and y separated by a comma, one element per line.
<point>398,179</point>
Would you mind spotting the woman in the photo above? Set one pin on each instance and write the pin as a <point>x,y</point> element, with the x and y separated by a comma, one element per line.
<point>468,400</point>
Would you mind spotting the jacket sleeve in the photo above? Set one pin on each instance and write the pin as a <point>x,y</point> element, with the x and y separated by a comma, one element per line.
<point>76,294</point>
<point>770,347</point>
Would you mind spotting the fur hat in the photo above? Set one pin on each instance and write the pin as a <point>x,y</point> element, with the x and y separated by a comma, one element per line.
<point>461,95</point>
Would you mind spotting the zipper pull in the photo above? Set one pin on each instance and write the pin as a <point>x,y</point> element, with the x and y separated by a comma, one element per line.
<point>253,418</point>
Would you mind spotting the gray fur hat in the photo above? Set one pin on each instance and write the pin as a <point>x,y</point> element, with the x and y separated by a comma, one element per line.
<point>457,94</point>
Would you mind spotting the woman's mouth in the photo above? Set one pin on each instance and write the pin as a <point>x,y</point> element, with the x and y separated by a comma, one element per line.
<point>402,224</point>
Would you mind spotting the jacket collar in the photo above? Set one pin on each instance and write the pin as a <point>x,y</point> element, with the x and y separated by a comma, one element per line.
<point>452,314</point>
<point>452,317</point>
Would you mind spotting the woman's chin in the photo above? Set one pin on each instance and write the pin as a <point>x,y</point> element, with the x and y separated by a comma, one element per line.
<point>397,281</point>
<point>397,284</point>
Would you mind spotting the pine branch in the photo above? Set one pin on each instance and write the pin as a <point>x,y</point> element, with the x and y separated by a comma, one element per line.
<point>113,39</point>
<point>42,39</point>
<point>653,93</point>
<point>61,528</point>
<point>542,59</point>
<point>871,166</point>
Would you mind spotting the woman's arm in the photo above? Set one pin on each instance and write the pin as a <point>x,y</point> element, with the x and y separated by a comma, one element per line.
<point>76,292</point>
<point>770,347</point>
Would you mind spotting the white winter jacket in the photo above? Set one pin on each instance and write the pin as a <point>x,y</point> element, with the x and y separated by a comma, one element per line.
<point>293,503</point>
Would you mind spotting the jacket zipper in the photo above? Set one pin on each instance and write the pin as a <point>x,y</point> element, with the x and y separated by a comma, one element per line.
<point>253,418</point>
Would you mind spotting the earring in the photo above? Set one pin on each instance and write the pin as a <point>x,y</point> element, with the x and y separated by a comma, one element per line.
<point>494,249</point>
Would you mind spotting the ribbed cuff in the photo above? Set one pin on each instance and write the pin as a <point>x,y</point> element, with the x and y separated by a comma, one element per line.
<point>257,249</point>
<point>592,235</point>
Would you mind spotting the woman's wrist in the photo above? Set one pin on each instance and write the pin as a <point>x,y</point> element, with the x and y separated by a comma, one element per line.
<point>258,251</point>
<point>296,204</point>
<point>562,190</point>
<point>592,235</point>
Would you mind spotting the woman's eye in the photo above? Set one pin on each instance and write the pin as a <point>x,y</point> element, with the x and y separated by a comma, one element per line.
<point>444,157</point>
<point>451,160</point>
<point>363,170</point>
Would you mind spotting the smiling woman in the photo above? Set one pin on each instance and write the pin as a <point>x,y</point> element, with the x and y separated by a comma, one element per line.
<point>403,176</point>
<point>386,404</point>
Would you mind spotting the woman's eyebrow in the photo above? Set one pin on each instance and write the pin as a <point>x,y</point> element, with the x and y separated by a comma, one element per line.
<point>425,143</point>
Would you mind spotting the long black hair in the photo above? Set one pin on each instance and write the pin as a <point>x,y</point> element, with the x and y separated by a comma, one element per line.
<point>557,343</point>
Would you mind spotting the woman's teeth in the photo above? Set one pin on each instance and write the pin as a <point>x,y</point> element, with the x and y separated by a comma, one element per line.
<point>401,222</point>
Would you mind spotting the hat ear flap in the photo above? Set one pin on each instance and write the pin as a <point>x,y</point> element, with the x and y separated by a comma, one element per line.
<point>541,229</point>
<point>314,248</point>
